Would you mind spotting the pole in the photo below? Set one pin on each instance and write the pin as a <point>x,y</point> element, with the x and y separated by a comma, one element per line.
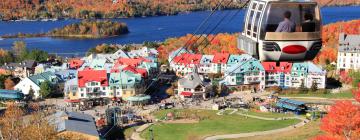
<point>151,134</point>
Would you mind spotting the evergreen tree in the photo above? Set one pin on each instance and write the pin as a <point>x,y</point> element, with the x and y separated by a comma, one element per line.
<point>45,89</point>
<point>314,86</point>
<point>303,88</point>
<point>31,94</point>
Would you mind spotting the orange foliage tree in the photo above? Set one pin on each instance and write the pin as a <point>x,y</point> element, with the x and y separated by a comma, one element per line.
<point>211,44</point>
<point>342,121</point>
<point>330,37</point>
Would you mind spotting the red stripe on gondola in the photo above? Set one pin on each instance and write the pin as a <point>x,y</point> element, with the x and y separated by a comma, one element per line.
<point>294,49</point>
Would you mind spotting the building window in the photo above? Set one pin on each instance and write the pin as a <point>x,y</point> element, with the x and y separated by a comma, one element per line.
<point>82,94</point>
<point>104,88</point>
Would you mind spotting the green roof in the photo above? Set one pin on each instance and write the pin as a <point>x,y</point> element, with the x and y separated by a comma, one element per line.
<point>124,78</point>
<point>45,76</point>
<point>98,64</point>
<point>138,98</point>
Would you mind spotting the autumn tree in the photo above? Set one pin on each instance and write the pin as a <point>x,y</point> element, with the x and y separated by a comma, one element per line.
<point>342,121</point>
<point>11,122</point>
<point>15,127</point>
<point>9,84</point>
<point>19,49</point>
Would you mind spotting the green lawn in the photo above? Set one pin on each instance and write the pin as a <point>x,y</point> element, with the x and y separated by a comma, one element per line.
<point>342,95</point>
<point>306,132</point>
<point>211,124</point>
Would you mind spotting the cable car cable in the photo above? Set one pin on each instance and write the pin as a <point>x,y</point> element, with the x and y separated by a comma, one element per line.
<point>217,34</point>
<point>217,25</point>
<point>187,42</point>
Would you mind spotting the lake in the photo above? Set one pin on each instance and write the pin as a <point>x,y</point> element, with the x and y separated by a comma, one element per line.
<point>146,29</point>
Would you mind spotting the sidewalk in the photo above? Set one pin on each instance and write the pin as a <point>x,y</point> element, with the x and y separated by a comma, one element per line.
<point>136,134</point>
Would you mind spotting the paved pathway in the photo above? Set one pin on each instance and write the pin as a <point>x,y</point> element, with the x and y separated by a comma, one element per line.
<point>136,135</point>
<point>260,133</point>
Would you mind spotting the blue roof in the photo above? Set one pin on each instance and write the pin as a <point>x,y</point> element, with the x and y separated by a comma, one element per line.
<point>307,67</point>
<point>206,59</point>
<point>233,59</point>
<point>245,66</point>
<point>11,94</point>
<point>45,76</point>
<point>76,122</point>
<point>285,100</point>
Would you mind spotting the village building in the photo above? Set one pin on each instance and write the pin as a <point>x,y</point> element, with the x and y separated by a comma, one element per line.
<point>205,66</point>
<point>33,83</point>
<point>277,75</point>
<point>75,63</point>
<point>74,123</point>
<point>248,75</point>
<point>235,59</point>
<point>92,84</point>
<point>102,79</point>
<point>22,69</point>
<point>219,64</point>
<point>306,74</point>
<point>143,52</point>
<point>193,86</point>
<point>348,53</point>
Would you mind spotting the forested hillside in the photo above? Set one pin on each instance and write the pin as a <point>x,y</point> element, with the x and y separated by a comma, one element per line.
<point>38,9</point>
<point>227,42</point>
<point>44,9</point>
<point>330,38</point>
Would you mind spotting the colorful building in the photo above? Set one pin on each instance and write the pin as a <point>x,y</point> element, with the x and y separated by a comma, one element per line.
<point>246,75</point>
<point>277,75</point>
<point>307,74</point>
<point>193,86</point>
<point>33,82</point>
<point>349,52</point>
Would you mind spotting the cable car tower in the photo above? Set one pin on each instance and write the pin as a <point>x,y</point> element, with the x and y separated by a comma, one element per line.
<point>282,30</point>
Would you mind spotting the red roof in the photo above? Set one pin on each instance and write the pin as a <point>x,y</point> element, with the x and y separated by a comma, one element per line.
<point>272,67</point>
<point>86,76</point>
<point>75,63</point>
<point>130,61</point>
<point>194,59</point>
<point>187,59</point>
<point>221,58</point>
<point>142,72</point>
<point>186,94</point>
<point>72,101</point>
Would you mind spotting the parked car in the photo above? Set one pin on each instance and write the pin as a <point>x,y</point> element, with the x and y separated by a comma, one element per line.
<point>167,106</point>
<point>239,106</point>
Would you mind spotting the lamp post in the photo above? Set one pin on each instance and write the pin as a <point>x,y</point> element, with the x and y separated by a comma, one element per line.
<point>151,134</point>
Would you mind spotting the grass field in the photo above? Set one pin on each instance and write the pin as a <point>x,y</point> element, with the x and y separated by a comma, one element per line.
<point>210,124</point>
<point>303,133</point>
<point>342,95</point>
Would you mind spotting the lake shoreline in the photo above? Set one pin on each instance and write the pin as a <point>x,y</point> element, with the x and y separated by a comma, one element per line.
<point>141,29</point>
<point>130,17</point>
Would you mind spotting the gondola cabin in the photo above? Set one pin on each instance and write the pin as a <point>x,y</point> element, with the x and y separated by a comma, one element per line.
<point>282,30</point>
